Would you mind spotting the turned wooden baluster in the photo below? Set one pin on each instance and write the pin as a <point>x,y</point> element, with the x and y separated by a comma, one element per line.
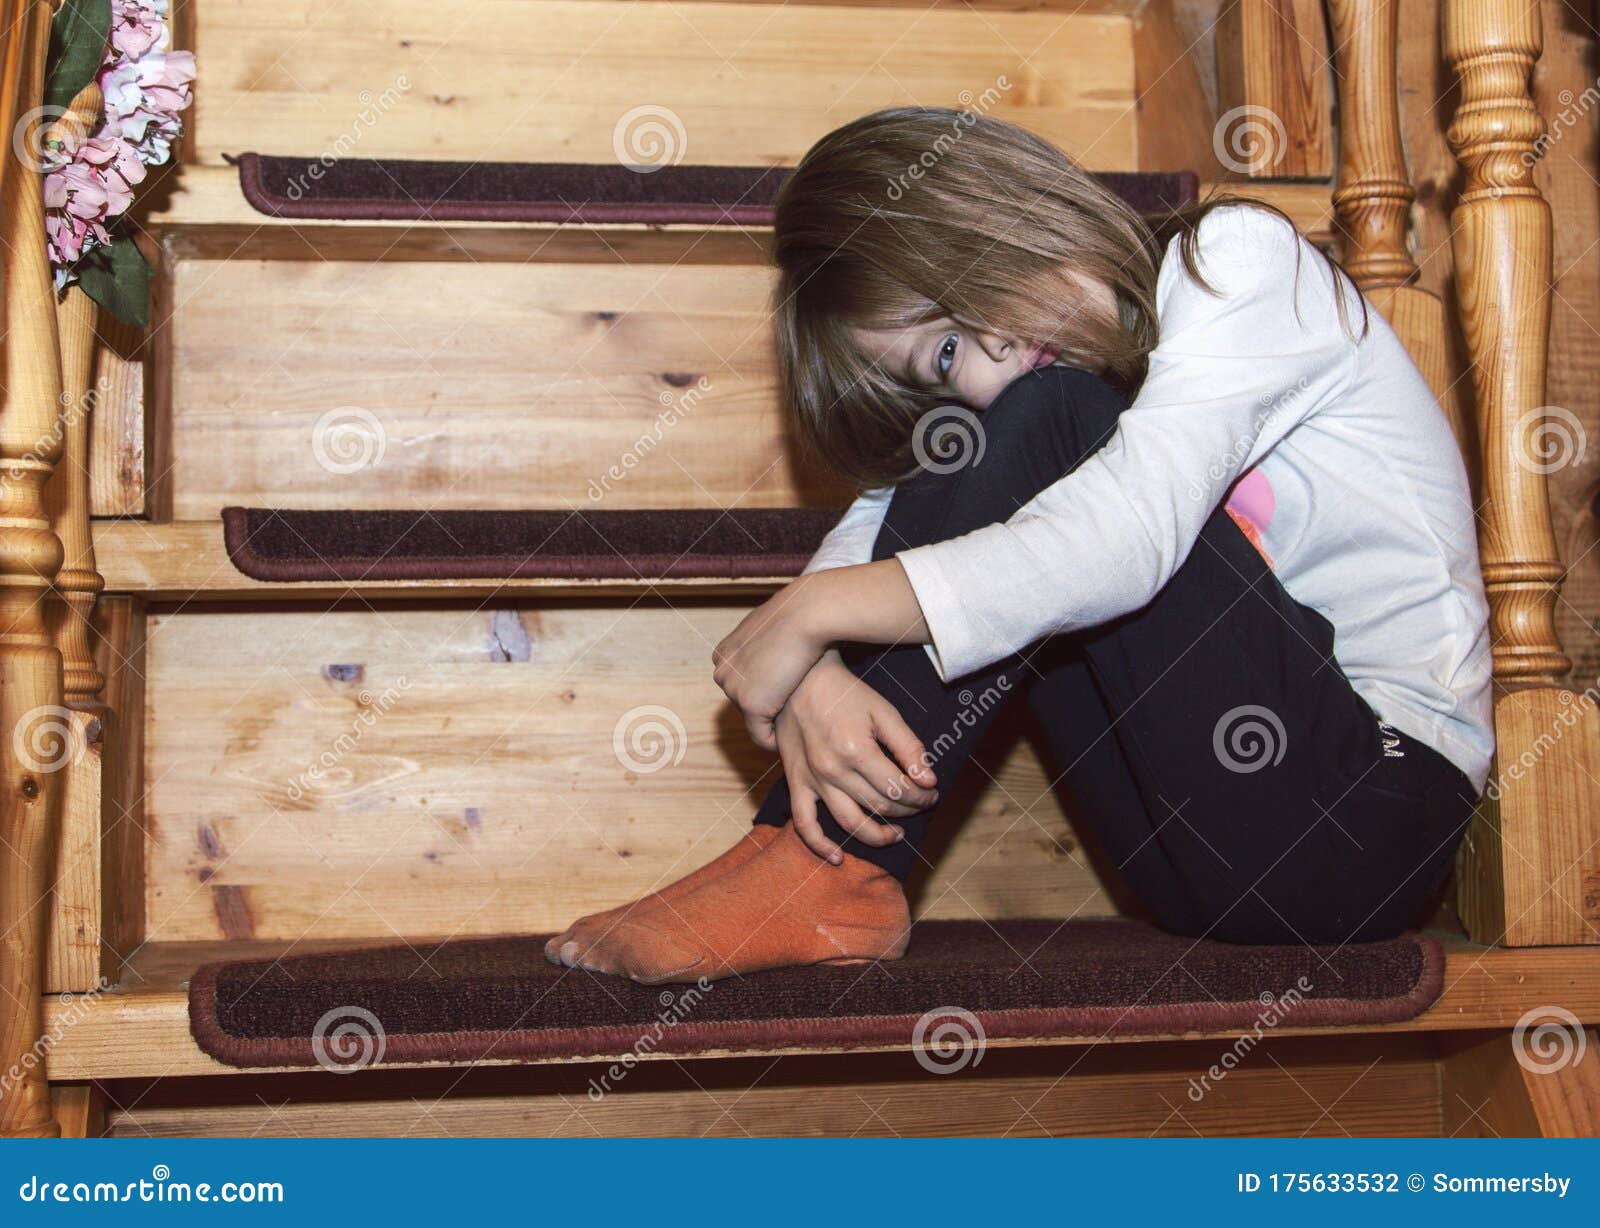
<point>1502,247</point>
<point>1374,196</point>
<point>78,582</point>
<point>31,715</point>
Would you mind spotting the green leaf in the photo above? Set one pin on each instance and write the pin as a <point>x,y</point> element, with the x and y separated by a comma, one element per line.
<point>117,277</point>
<point>78,37</point>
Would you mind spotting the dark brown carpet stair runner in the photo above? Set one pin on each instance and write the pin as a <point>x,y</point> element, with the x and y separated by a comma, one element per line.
<point>356,546</point>
<point>489,998</point>
<point>399,189</point>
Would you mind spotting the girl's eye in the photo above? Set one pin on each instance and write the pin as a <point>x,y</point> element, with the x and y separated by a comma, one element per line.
<point>946,355</point>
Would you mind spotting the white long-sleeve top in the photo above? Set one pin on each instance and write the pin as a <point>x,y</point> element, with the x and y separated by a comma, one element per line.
<point>1334,449</point>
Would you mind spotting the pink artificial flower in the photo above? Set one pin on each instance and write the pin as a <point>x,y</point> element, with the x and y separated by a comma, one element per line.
<point>89,182</point>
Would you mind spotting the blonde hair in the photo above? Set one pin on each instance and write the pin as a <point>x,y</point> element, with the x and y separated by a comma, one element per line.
<point>911,214</point>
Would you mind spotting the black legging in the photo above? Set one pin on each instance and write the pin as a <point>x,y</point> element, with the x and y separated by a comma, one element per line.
<point>1242,788</point>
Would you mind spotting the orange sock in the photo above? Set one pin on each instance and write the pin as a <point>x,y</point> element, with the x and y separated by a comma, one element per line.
<point>785,906</point>
<point>568,946</point>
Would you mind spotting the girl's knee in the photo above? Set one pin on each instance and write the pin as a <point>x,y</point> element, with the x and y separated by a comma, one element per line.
<point>1040,427</point>
<point>1062,412</point>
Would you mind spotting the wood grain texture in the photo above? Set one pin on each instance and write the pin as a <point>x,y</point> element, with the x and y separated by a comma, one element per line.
<point>97,904</point>
<point>1425,83</point>
<point>1333,1086</point>
<point>324,774</point>
<point>80,1109</point>
<point>493,385</point>
<point>1374,196</point>
<point>1176,118</point>
<point>1481,1089</point>
<point>73,961</point>
<point>1502,246</point>
<point>30,663</point>
<point>1525,867</point>
<point>1566,95</point>
<point>67,495</point>
<point>14,48</point>
<point>1539,1082</point>
<point>1565,1090</point>
<point>117,423</point>
<point>1528,870</point>
<point>120,649</point>
<point>1273,103</point>
<point>729,83</point>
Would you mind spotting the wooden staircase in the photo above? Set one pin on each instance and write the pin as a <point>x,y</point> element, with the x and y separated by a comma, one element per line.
<point>276,767</point>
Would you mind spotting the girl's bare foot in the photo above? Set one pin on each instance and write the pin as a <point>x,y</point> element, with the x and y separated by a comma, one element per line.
<point>569,945</point>
<point>785,906</point>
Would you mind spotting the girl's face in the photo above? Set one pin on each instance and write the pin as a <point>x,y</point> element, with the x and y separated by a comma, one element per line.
<point>951,359</point>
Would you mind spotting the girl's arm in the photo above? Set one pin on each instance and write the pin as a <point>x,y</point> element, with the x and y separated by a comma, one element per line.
<point>1234,372</point>
<point>851,540</point>
<point>776,645</point>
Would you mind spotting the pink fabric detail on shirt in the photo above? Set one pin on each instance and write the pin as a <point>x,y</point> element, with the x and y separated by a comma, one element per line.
<point>1252,498</point>
<point>1250,505</point>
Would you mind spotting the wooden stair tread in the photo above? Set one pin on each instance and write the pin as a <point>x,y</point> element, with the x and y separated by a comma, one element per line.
<point>140,1028</point>
<point>205,215</point>
<point>187,559</point>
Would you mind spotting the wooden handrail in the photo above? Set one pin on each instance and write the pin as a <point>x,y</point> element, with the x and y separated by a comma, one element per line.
<point>32,719</point>
<point>1502,246</point>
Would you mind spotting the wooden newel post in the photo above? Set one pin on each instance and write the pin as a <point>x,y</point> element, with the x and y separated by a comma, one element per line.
<point>31,712</point>
<point>1529,870</point>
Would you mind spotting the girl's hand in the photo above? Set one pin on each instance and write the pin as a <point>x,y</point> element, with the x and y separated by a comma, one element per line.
<point>832,736</point>
<point>761,662</point>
